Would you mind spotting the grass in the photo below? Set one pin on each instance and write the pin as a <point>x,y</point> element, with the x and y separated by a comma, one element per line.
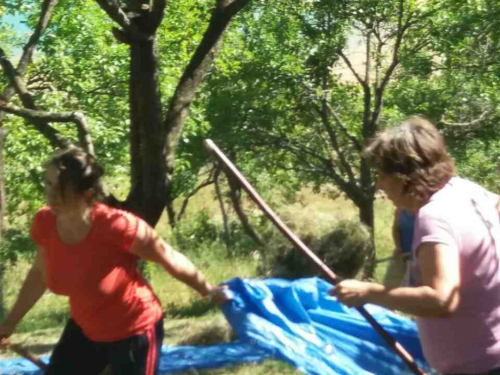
<point>190,320</point>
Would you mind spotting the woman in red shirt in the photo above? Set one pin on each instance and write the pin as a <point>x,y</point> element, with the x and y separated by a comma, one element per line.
<point>89,251</point>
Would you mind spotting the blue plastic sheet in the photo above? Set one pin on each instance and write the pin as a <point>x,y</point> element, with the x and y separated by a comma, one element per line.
<point>294,321</point>
<point>299,323</point>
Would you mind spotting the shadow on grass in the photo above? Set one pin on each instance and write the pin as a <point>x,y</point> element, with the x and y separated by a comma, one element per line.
<point>195,309</point>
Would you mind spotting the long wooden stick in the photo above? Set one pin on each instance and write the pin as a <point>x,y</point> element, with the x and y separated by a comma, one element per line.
<point>330,275</point>
<point>23,353</point>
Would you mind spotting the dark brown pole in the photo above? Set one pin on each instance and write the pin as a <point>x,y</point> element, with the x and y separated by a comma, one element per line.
<point>24,353</point>
<point>330,275</point>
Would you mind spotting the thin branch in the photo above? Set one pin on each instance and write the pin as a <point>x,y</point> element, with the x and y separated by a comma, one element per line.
<point>209,181</point>
<point>323,113</point>
<point>227,236</point>
<point>16,81</point>
<point>35,115</point>
<point>29,49</point>
<point>194,74</point>
<point>106,85</point>
<point>379,91</point>
<point>424,43</point>
<point>286,143</point>
<point>304,170</point>
<point>156,15</point>
<point>397,46</point>
<point>470,123</point>
<point>368,57</point>
<point>84,138</point>
<point>336,118</point>
<point>343,127</point>
<point>113,10</point>
<point>297,150</point>
<point>361,81</point>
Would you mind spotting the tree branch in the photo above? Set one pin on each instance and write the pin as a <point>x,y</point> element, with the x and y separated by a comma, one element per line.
<point>113,10</point>
<point>46,12</point>
<point>477,121</point>
<point>379,91</point>
<point>287,144</point>
<point>368,57</point>
<point>16,81</point>
<point>156,15</point>
<point>323,113</point>
<point>335,116</point>
<point>35,115</point>
<point>209,181</point>
<point>343,127</point>
<point>28,50</point>
<point>299,151</point>
<point>193,75</point>
<point>361,81</point>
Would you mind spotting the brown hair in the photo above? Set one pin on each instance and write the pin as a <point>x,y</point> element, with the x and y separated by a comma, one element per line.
<point>78,170</point>
<point>416,153</point>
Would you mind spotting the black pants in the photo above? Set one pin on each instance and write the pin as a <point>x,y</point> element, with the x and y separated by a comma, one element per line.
<point>75,354</point>
<point>492,372</point>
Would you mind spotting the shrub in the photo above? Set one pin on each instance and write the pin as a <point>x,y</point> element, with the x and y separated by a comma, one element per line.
<point>191,235</point>
<point>344,250</point>
<point>16,243</point>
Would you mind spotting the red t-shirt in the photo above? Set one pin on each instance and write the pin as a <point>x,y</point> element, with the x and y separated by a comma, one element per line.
<point>109,298</point>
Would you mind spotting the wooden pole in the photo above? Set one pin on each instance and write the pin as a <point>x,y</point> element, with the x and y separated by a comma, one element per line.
<point>330,275</point>
<point>23,353</point>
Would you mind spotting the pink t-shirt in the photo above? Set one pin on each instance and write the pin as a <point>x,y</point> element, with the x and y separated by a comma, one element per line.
<point>463,215</point>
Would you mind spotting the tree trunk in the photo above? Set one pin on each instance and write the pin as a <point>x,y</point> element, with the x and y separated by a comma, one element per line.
<point>2,214</point>
<point>366,213</point>
<point>148,195</point>
<point>367,217</point>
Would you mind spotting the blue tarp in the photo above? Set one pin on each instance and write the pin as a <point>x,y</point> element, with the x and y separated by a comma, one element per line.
<point>294,321</point>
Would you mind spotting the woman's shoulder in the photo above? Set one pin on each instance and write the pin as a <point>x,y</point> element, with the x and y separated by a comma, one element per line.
<point>43,213</point>
<point>113,216</point>
<point>114,225</point>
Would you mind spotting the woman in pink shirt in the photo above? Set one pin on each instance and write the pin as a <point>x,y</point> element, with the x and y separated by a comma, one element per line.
<point>456,251</point>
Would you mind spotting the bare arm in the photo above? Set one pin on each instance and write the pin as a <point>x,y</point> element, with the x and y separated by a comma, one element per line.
<point>437,297</point>
<point>147,245</point>
<point>32,290</point>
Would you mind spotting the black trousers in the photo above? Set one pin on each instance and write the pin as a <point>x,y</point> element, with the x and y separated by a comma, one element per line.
<point>492,372</point>
<point>75,354</point>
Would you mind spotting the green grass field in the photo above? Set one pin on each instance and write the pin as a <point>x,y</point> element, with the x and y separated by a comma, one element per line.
<point>191,320</point>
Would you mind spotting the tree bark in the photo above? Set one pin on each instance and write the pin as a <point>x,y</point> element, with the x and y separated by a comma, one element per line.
<point>148,195</point>
<point>154,140</point>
